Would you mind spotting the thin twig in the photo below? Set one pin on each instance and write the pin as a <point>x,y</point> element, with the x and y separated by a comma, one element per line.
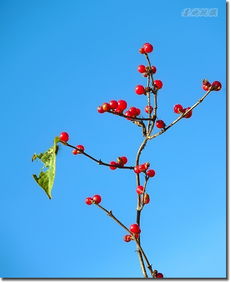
<point>99,161</point>
<point>109,213</point>
<point>180,117</point>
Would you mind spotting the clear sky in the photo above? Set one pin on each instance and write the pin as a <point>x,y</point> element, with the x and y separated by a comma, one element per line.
<point>59,61</point>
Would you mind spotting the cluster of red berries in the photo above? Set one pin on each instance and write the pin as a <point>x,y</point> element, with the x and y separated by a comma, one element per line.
<point>121,161</point>
<point>140,191</point>
<point>144,168</point>
<point>179,109</point>
<point>139,89</point>
<point>146,48</point>
<point>78,150</point>
<point>206,85</point>
<point>64,137</point>
<point>95,199</point>
<point>114,106</point>
<point>135,230</point>
<point>146,70</point>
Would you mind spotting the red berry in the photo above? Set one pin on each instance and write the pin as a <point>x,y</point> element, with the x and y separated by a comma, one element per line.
<point>88,201</point>
<point>148,109</point>
<point>64,137</point>
<point>147,47</point>
<point>97,198</point>
<point>141,69</point>
<point>122,104</point>
<point>127,238</point>
<point>124,159</point>
<point>113,104</point>
<point>189,114</point>
<point>132,111</point>
<point>140,190</point>
<point>75,151</point>
<point>206,87</point>
<point>178,109</point>
<point>160,124</point>
<point>216,86</point>
<point>106,107</point>
<point>141,50</point>
<point>159,275</point>
<point>118,110</point>
<point>146,198</point>
<point>134,228</point>
<point>150,173</point>
<point>158,84</point>
<point>137,170</point>
<point>100,109</point>
<point>137,111</point>
<point>127,114</point>
<point>81,147</point>
<point>136,236</point>
<point>139,89</point>
<point>113,163</point>
<point>142,167</point>
<point>153,68</point>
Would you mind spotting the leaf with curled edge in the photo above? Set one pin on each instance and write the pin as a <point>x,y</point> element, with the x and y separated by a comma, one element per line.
<point>47,175</point>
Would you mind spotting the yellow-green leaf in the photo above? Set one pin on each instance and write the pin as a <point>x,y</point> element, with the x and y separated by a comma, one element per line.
<point>47,175</point>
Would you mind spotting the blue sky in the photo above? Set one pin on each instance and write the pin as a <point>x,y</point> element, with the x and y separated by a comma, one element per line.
<point>59,61</point>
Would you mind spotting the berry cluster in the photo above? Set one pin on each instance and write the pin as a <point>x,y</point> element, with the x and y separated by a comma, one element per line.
<point>135,233</point>
<point>96,199</point>
<point>206,85</point>
<point>78,150</point>
<point>179,109</point>
<point>144,168</point>
<point>121,161</point>
<point>113,106</point>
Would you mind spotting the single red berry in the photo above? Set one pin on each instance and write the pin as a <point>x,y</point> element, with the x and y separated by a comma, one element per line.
<point>160,124</point>
<point>127,114</point>
<point>139,89</point>
<point>158,84</point>
<point>64,137</point>
<point>113,163</point>
<point>88,201</point>
<point>178,108</point>
<point>122,104</point>
<point>137,111</point>
<point>118,110</point>
<point>100,109</point>
<point>124,159</point>
<point>153,68</point>
<point>140,190</point>
<point>147,47</point>
<point>106,107</point>
<point>75,151</point>
<point>189,114</point>
<point>81,147</point>
<point>206,87</point>
<point>142,167</point>
<point>97,198</point>
<point>159,275</point>
<point>113,104</point>
<point>134,228</point>
<point>127,238</point>
<point>141,68</point>
<point>141,50</point>
<point>137,170</point>
<point>132,111</point>
<point>146,198</point>
<point>216,86</point>
<point>148,109</point>
<point>150,173</point>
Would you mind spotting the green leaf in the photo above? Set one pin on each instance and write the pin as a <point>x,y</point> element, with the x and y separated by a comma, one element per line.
<point>47,175</point>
